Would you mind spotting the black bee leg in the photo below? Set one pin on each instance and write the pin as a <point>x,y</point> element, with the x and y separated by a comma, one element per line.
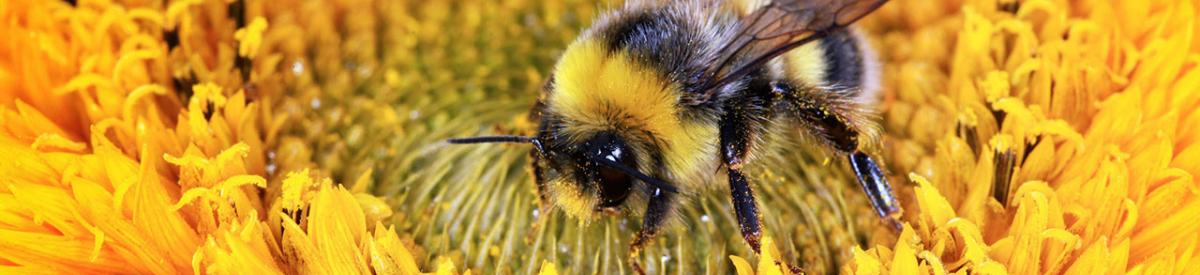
<point>738,127</point>
<point>735,144</point>
<point>876,186</point>
<point>652,221</point>
<point>819,112</point>
<point>745,207</point>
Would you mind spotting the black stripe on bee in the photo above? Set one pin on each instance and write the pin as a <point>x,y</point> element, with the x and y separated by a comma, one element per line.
<point>844,68</point>
<point>633,29</point>
<point>662,39</point>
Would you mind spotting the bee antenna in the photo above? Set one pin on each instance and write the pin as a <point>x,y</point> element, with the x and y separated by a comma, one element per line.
<point>657,183</point>
<point>499,139</point>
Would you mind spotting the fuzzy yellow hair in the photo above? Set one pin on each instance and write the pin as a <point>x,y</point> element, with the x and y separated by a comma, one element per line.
<point>598,89</point>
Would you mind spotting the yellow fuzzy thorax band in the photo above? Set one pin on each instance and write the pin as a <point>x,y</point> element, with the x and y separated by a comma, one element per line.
<point>601,90</point>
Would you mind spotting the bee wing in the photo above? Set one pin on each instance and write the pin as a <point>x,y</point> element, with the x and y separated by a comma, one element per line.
<point>777,27</point>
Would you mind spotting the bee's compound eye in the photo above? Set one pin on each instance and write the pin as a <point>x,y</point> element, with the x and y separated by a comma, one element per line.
<point>614,187</point>
<point>613,184</point>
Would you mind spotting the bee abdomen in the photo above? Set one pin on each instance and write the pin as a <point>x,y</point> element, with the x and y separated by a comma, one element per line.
<point>842,62</point>
<point>843,53</point>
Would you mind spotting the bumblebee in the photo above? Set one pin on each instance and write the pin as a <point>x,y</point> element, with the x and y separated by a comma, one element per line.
<point>659,100</point>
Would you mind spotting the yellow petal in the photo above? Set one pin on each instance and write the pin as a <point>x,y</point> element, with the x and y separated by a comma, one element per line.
<point>767,264</point>
<point>741,265</point>
<point>904,261</point>
<point>862,263</point>
<point>549,269</point>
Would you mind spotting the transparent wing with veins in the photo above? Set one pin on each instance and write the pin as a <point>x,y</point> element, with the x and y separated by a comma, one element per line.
<point>777,27</point>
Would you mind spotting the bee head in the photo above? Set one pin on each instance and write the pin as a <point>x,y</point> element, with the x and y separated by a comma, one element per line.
<point>602,118</point>
<point>613,128</point>
<point>586,177</point>
<point>595,174</point>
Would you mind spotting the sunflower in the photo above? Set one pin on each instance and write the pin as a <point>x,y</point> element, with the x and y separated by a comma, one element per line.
<point>1072,144</point>
<point>137,142</point>
<point>241,136</point>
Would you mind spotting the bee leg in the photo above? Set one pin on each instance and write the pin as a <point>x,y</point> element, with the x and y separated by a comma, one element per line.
<point>746,209</point>
<point>735,144</point>
<point>542,216</point>
<point>746,119</point>
<point>876,186</point>
<point>652,221</point>
<point>822,114</point>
